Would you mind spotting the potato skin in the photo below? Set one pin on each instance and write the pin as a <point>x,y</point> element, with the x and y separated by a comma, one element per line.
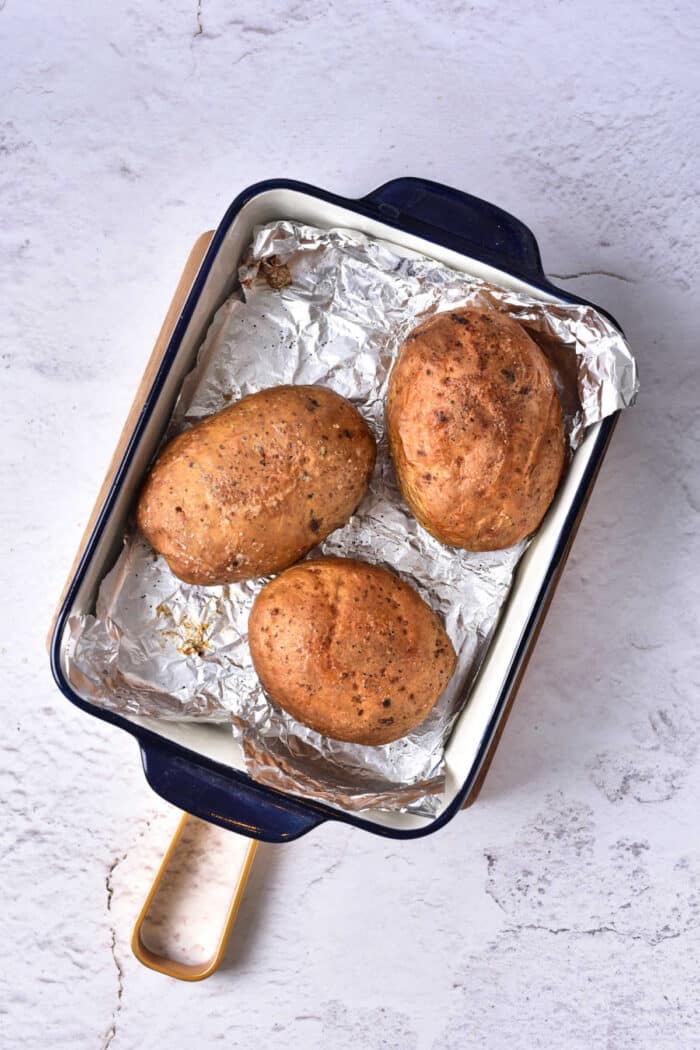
<point>475,429</point>
<point>349,649</point>
<point>252,489</point>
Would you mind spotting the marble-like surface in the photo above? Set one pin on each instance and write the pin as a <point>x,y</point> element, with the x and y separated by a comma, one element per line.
<point>562,911</point>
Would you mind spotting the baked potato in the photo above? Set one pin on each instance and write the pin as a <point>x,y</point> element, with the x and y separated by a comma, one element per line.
<point>349,649</point>
<point>250,490</point>
<point>475,429</point>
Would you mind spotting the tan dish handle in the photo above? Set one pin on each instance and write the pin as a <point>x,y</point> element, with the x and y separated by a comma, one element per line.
<point>172,967</point>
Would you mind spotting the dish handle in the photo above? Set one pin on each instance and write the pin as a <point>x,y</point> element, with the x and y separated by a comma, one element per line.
<point>171,883</point>
<point>460,222</point>
<point>227,798</point>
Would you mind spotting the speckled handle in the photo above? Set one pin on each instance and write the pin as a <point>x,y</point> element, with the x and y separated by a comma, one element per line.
<point>176,968</point>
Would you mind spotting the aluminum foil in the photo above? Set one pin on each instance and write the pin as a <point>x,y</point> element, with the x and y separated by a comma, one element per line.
<point>328,307</point>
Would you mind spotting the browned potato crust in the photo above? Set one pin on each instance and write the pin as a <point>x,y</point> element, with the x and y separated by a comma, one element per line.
<point>349,649</point>
<point>475,429</point>
<point>252,489</point>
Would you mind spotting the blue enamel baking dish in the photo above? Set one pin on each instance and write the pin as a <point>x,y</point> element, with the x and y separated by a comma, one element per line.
<point>198,768</point>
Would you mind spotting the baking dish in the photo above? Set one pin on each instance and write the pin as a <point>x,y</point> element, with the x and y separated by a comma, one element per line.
<point>199,768</point>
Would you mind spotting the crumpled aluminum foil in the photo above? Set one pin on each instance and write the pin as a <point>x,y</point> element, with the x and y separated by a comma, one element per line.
<point>328,307</point>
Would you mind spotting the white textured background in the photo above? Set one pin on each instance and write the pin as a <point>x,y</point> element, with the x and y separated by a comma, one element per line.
<point>564,910</point>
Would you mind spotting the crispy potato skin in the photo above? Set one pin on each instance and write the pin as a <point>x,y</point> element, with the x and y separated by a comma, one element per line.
<point>252,489</point>
<point>349,649</point>
<point>475,429</point>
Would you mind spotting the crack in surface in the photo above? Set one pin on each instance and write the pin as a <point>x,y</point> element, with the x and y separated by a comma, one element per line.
<point>200,24</point>
<point>596,930</point>
<point>112,1029</point>
<point>261,30</point>
<point>325,873</point>
<point>254,27</point>
<point>109,887</point>
<point>592,273</point>
<point>426,903</point>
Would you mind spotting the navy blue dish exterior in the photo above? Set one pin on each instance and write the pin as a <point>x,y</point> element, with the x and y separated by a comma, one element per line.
<point>228,797</point>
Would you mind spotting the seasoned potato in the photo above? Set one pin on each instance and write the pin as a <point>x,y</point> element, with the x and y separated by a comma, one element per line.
<point>475,429</point>
<point>349,649</point>
<point>252,489</point>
